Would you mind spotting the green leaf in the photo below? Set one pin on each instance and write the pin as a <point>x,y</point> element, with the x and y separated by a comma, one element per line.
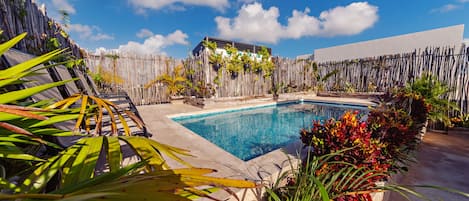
<point>4,184</point>
<point>17,140</point>
<point>11,151</point>
<point>55,119</point>
<point>114,156</point>
<point>73,175</point>
<point>7,45</point>
<point>145,150</point>
<point>272,195</point>
<point>24,66</point>
<point>95,145</point>
<point>162,148</point>
<point>45,171</point>
<point>52,132</point>
<point>322,191</point>
<point>25,93</point>
<point>106,177</point>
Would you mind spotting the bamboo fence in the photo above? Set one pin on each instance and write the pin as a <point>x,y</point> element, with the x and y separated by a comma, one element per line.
<point>363,75</point>
<point>136,71</point>
<point>24,16</point>
<point>387,72</point>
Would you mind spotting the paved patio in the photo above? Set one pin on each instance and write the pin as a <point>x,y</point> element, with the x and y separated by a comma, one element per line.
<point>442,160</point>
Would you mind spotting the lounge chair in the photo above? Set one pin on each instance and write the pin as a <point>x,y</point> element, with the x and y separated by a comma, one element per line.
<point>59,73</point>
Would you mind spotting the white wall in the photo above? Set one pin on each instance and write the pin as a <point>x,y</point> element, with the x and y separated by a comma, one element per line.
<point>448,36</point>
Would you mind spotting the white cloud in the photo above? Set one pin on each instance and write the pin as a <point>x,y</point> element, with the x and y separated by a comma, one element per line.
<point>463,1</point>
<point>253,23</point>
<point>349,20</point>
<point>155,44</point>
<point>87,32</point>
<point>177,4</point>
<point>466,41</point>
<point>64,5</point>
<point>301,24</point>
<point>101,36</point>
<point>101,50</point>
<point>144,33</point>
<point>256,24</point>
<point>446,8</point>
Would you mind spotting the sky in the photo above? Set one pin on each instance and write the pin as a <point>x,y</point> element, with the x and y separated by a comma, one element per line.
<point>290,28</point>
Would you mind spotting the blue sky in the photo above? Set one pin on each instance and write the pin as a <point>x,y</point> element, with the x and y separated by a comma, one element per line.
<point>290,28</point>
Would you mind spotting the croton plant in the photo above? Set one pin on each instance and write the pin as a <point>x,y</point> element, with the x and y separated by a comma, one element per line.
<point>379,143</point>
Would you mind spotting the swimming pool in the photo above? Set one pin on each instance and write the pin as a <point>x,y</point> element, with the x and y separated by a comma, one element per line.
<point>250,132</point>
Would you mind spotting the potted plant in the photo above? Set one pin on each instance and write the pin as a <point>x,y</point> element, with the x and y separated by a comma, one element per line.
<point>234,64</point>
<point>175,83</point>
<point>246,61</point>
<point>214,58</point>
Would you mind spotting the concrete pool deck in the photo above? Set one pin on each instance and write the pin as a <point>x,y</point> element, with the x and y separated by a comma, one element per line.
<point>208,155</point>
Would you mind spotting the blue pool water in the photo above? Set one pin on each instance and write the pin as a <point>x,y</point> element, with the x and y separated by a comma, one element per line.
<point>252,132</point>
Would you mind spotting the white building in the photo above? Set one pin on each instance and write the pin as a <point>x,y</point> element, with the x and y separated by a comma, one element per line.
<point>243,48</point>
<point>451,36</point>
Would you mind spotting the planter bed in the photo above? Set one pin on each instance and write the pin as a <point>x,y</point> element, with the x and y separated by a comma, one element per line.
<point>361,95</point>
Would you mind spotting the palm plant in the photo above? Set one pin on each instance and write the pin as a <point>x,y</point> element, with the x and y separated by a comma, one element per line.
<point>313,180</point>
<point>321,80</point>
<point>175,82</point>
<point>94,108</point>
<point>433,91</point>
<point>104,77</point>
<point>93,168</point>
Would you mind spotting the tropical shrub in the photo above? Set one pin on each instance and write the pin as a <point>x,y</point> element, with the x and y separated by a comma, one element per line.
<point>175,81</point>
<point>432,91</point>
<point>321,80</point>
<point>234,63</point>
<point>318,178</point>
<point>460,121</point>
<point>381,143</point>
<point>93,168</point>
<point>104,78</point>
<point>351,134</point>
<point>216,59</point>
<point>266,64</point>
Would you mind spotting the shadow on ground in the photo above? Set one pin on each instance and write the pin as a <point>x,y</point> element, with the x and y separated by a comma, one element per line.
<point>443,160</point>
